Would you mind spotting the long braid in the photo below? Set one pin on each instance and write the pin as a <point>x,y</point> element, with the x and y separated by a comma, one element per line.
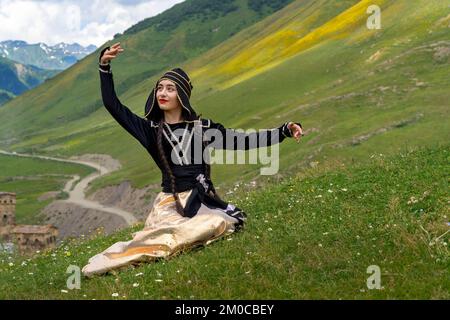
<point>178,205</point>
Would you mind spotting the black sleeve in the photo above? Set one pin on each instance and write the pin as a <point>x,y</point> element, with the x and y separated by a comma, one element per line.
<point>135,125</point>
<point>231,139</point>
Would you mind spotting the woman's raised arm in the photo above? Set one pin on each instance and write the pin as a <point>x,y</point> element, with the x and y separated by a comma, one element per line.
<point>135,125</point>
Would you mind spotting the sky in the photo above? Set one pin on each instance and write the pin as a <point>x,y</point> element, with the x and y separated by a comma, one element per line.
<point>84,21</point>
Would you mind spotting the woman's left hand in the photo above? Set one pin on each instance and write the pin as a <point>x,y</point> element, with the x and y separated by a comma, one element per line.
<point>296,131</point>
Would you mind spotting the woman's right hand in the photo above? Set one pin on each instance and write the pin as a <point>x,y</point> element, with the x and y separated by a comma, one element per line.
<point>111,53</point>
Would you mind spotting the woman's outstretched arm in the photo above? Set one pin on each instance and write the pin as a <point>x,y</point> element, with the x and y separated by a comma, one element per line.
<point>231,139</point>
<point>135,125</point>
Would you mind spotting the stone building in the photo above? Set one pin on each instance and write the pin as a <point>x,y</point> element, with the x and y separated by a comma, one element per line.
<point>33,238</point>
<point>7,214</point>
<point>27,238</point>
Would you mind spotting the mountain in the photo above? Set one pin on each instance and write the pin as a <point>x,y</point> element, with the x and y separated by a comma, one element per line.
<point>16,78</point>
<point>356,91</point>
<point>151,50</point>
<point>57,57</point>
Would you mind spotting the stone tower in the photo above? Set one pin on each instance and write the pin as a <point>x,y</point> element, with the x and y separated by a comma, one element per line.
<point>7,214</point>
<point>7,209</point>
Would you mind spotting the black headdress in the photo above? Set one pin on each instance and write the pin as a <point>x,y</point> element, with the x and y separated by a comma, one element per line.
<point>184,89</point>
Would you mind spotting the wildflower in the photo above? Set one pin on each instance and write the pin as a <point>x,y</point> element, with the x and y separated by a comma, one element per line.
<point>412,200</point>
<point>344,189</point>
<point>320,245</point>
<point>158,280</point>
<point>247,272</point>
<point>270,229</point>
<point>139,274</point>
<point>11,264</point>
<point>115,294</point>
<point>64,291</point>
<point>135,285</point>
<point>330,191</point>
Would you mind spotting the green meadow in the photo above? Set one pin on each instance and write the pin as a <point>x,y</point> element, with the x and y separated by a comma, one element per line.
<point>308,237</point>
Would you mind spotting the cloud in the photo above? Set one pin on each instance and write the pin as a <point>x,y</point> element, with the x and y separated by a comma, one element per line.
<point>85,21</point>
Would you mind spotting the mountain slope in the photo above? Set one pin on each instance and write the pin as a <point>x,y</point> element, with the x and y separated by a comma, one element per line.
<point>16,78</point>
<point>150,51</point>
<point>356,91</point>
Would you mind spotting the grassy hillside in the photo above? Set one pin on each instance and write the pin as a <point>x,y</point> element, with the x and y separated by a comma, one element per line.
<point>356,91</point>
<point>74,94</point>
<point>309,237</point>
<point>16,78</point>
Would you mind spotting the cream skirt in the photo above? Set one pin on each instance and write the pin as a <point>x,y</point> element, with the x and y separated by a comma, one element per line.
<point>165,233</point>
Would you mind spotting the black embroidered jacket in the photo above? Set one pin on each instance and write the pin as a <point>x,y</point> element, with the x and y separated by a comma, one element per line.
<point>180,140</point>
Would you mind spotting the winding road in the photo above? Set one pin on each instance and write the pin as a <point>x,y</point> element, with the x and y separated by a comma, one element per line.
<point>77,193</point>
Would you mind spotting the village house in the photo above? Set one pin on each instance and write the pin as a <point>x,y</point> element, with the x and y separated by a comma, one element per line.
<point>27,238</point>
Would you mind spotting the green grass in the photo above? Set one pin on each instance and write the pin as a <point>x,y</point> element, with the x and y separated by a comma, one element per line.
<point>312,236</point>
<point>31,178</point>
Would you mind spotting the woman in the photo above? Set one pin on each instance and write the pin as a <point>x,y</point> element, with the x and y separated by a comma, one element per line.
<point>187,212</point>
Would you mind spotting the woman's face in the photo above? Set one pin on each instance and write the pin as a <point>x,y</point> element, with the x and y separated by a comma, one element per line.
<point>167,95</point>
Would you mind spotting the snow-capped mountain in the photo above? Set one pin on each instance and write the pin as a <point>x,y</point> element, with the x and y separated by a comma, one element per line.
<point>59,57</point>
